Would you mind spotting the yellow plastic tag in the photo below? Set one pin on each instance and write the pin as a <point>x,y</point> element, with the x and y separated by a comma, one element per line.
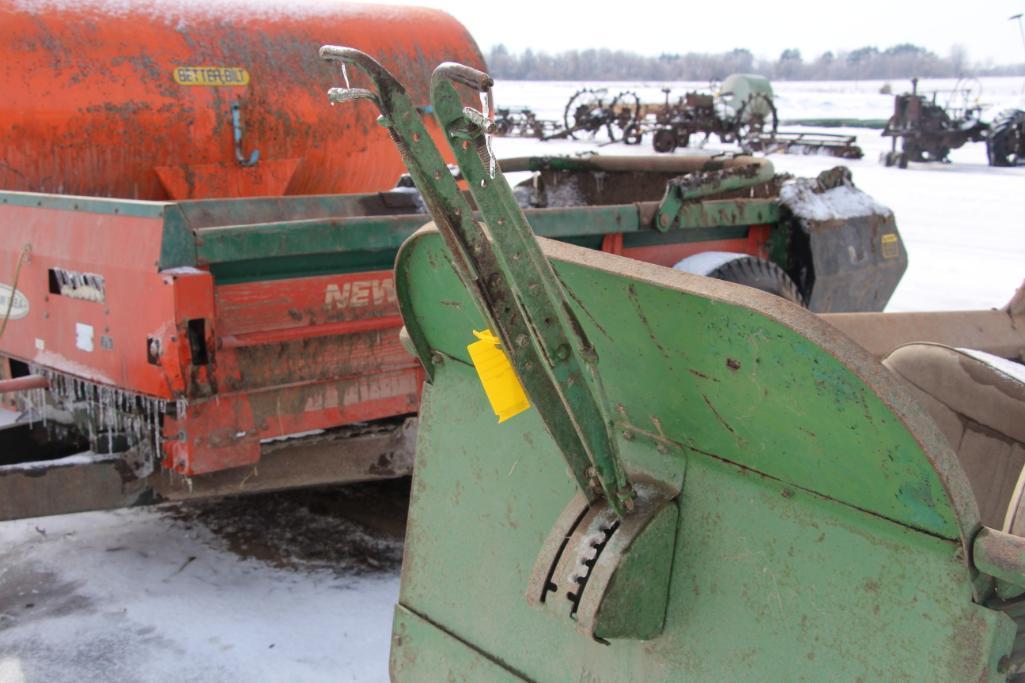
<point>502,386</point>
<point>891,247</point>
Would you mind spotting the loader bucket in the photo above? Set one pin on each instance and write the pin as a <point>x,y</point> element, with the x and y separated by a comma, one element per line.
<point>822,517</point>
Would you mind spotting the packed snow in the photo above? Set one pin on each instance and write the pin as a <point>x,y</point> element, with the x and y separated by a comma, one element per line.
<point>158,595</point>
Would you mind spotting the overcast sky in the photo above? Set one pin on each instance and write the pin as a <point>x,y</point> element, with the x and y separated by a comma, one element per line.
<point>764,27</point>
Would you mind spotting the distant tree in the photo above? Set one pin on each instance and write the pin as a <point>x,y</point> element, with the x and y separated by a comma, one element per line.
<point>895,62</point>
<point>790,64</point>
<point>958,59</point>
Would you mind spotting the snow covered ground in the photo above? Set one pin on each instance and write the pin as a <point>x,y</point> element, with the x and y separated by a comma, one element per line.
<point>282,591</point>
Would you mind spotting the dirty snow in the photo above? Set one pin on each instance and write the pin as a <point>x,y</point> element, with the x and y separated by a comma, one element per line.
<point>801,196</point>
<point>84,458</point>
<point>145,595</point>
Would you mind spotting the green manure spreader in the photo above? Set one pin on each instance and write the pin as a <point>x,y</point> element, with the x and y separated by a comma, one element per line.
<point>687,479</point>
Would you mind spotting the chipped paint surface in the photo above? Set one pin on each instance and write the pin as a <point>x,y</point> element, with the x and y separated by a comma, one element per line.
<point>113,80</point>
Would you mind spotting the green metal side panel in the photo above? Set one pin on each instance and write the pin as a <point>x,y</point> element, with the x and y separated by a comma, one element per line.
<point>438,655</point>
<point>821,517</point>
<point>178,246</point>
<point>769,582</point>
<point>282,249</point>
<point>724,380</point>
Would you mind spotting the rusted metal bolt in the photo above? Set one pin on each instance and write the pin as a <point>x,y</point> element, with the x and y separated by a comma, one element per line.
<point>786,493</point>
<point>437,358</point>
<point>733,363</point>
<point>465,144</point>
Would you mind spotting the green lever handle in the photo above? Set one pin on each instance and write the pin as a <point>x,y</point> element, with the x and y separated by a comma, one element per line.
<point>568,358</point>
<point>515,301</point>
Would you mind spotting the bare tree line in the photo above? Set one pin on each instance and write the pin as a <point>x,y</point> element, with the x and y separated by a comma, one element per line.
<point>899,61</point>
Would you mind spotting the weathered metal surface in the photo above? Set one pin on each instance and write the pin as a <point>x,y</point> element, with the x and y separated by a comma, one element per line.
<point>607,576</point>
<point>684,190</point>
<point>137,101</point>
<point>928,130</point>
<point>997,331</point>
<point>790,142</point>
<point>845,250</point>
<point>511,283</point>
<point>1002,556</point>
<point>824,521</point>
<point>10,386</point>
<point>80,483</point>
<point>419,646</point>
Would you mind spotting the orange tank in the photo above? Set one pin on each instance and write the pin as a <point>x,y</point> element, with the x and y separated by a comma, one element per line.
<point>137,100</point>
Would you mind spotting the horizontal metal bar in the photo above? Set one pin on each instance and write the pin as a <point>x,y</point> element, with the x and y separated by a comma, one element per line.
<point>1000,555</point>
<point>382,450</point>
<point>10,386</point>
<point>61,202</point>
<point>311,331</point>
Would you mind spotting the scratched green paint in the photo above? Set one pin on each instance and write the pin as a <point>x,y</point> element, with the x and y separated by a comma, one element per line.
<point>769,582</point>
<point>665,356</point>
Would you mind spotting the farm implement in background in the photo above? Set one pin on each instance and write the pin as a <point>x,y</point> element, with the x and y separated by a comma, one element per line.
<point>677,464</point>
<point>188,304</point>
<point>589,114</point>
<point>214,310</point>
<point>741,112</point>
<point>927,130</point>
<point>173,348</point>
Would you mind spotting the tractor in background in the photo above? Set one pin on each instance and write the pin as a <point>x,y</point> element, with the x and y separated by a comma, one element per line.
<point>928,131</point>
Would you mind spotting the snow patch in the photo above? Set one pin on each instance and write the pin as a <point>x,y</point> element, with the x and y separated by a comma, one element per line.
<point>806,200</point>
<point>84,458</point>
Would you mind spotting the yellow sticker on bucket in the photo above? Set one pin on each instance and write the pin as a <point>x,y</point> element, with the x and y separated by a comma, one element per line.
<point>501,385</point>
<point>891,247</point>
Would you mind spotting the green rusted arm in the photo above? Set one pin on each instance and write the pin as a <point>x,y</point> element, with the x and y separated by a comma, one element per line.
<point>485,272</point>
<point>681,191</point>
<point>569,358</point>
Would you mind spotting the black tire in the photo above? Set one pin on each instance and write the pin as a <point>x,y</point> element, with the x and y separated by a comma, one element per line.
<point>664,140</point>
<point>1005,144</point>
<point>760,274</point>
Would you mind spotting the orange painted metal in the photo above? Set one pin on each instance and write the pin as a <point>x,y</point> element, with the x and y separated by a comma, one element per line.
<point>10,386</point>
<point>755,244</point>
<point>244,361</point>
<point>102,99</point>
